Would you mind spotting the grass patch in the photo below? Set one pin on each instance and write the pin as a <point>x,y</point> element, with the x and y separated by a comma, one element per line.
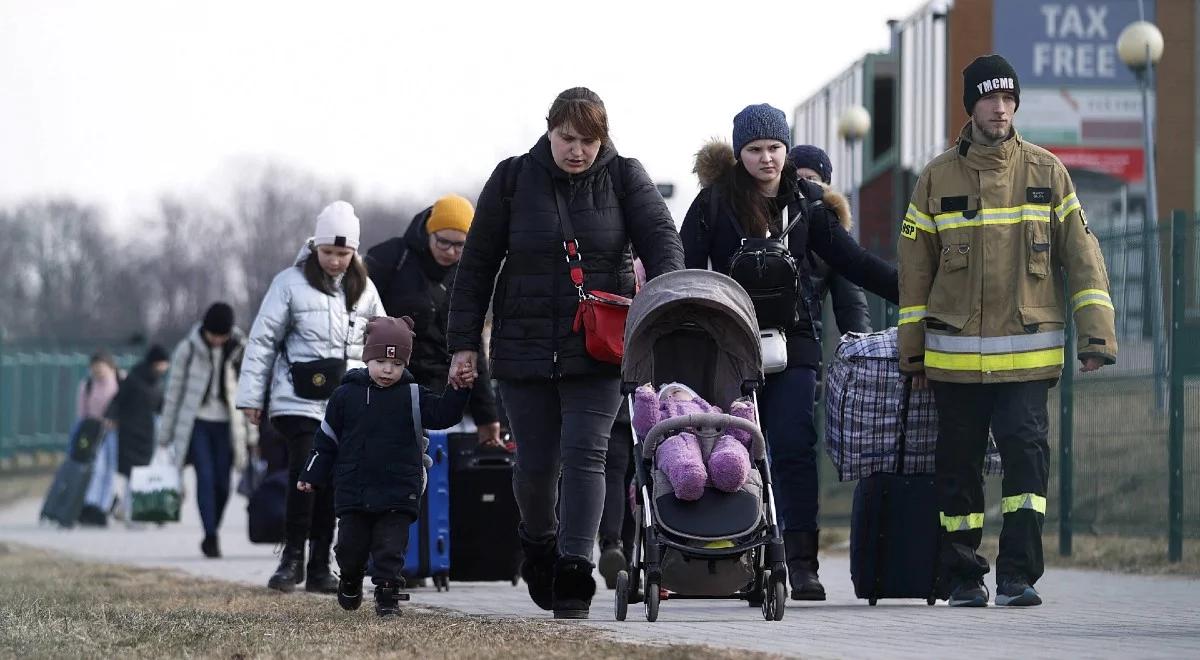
<point>53,606</point>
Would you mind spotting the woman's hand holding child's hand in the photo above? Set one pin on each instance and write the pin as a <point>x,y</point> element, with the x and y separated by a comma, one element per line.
<point>304,487</point>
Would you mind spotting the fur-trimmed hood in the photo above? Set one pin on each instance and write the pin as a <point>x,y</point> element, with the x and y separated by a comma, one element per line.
<point>715,159</point>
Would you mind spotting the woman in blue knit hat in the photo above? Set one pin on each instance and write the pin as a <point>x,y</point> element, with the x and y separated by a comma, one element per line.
<point>751,191</point>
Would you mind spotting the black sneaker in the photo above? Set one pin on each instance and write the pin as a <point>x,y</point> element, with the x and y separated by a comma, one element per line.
<point>968,593</point>
<point>1017,592</point>
<point>350,593</point>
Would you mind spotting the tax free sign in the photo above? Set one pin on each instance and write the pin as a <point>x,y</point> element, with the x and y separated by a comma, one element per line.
<point>1065,44</point>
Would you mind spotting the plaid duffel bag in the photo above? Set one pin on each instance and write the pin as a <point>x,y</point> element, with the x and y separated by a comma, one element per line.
<point>862,412</point>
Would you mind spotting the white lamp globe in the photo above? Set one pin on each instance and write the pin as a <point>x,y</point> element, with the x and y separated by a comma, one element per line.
<point>854,123</point>
<point>1131,45</point>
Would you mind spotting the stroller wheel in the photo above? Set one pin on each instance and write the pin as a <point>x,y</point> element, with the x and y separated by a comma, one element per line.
<point>778,600</point>
<point>652,598</point>
<point>622,595</point>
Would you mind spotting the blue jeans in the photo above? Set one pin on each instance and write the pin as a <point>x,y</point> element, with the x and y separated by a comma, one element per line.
<point>787,410</point>
<point>211,454</point>
<point>104,468</point>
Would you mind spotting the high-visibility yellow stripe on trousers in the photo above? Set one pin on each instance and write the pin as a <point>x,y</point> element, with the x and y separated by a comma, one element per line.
<point>961,523</point>
<point>1014,503</point>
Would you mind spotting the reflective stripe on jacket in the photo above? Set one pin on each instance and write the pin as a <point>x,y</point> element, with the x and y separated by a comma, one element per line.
<point>983,249</point>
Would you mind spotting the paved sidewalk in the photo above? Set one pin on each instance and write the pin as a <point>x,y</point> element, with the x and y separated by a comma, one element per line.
<point>1088,614</point>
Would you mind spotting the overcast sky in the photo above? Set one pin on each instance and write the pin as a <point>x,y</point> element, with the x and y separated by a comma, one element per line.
<point>115,102</point>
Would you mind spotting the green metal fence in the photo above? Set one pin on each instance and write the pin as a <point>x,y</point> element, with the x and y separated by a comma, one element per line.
<point>38,386</point>
<point>1125,441</point>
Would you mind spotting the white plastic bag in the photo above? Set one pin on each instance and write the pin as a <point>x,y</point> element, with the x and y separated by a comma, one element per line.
<point>155,491</point>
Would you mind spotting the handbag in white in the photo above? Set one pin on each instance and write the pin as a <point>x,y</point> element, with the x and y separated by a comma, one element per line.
<point>774,350</point>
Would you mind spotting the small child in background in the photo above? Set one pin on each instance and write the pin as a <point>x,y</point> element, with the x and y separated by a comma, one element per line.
<point>374,449</point>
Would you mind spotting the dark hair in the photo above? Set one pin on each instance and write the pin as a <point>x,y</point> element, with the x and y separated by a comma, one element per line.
<point>755,212</point>
<point>583,110</point>
<point>354,281</point>
<point>102,357</point>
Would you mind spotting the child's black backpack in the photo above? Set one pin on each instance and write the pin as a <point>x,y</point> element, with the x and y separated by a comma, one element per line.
<point>767,271</point>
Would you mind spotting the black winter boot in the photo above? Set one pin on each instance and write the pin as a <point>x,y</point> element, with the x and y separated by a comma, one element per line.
<point>537,570</point>
<point>802,565</point>
<point>612,561</point>
<point>290,571</point>
<point>350,592</point>
<point>320,579</point>
<point>388,597</point>
<point>210,547</point>
<point>574,587</point>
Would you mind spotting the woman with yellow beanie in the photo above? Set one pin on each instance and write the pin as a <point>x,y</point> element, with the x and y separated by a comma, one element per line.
<point>414,274</point>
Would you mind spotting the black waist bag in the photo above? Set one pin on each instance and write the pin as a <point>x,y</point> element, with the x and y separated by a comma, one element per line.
<point>317,379</point>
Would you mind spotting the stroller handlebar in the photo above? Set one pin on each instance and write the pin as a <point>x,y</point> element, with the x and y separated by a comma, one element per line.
<point>717,421</point>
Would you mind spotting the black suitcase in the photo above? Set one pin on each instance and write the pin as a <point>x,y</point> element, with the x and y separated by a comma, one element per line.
<point>894,531</point>
<point>483,512</point>
<point>64,500</point>
<point>266,509</point>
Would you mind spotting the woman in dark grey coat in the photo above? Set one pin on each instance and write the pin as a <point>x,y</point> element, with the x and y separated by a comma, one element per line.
<point>560,401</point>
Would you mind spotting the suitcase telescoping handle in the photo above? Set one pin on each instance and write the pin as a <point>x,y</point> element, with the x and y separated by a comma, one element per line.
<point>902,439</point>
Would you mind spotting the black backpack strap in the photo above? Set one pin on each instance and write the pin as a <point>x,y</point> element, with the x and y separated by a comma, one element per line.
<point>714,210</point>
<point>616,172</point>
<point>512,169</point>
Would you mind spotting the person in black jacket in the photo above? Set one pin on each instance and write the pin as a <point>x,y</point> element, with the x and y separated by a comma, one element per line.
<point>132,411</point>
<point>414,274</point>
<point>560,401</point>
<point>374,449</point>
<point>754,187</point>
<point>850,309</point>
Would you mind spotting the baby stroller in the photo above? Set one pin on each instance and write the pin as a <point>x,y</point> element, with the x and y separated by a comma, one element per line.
<point>698,328</point>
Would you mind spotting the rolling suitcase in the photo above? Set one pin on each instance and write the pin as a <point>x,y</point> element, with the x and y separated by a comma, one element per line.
<point>894,530</point>
<point>64,500</point>
<point>429,538</point>
<point>266,509</point>
<point>483,512</point>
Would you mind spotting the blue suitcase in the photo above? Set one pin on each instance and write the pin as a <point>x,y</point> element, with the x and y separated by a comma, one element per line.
<point>429,539</point>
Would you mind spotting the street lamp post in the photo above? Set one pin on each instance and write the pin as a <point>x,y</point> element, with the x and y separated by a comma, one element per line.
<point>1140,47</point>
<point>852,127</point>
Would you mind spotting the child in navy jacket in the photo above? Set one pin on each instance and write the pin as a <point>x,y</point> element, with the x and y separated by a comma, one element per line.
<point>372,444</point>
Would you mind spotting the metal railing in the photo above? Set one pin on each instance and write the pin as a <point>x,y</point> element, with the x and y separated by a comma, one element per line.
<point>38,386</point>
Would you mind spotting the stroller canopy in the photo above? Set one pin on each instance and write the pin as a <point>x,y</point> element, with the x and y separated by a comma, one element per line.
<point>686,302</point>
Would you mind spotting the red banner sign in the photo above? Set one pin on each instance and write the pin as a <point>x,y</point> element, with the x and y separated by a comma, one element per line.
<point>1125,164</point>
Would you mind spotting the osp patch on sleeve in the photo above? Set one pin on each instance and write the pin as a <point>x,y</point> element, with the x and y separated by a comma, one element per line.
<point>909,230</point>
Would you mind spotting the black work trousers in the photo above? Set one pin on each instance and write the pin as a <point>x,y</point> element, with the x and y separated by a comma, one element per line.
<point>1016,415</point>
<point>309,515</point>
<point>382,536</point>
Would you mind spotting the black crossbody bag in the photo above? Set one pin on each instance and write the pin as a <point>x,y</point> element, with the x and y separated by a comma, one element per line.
<point>317,379</point>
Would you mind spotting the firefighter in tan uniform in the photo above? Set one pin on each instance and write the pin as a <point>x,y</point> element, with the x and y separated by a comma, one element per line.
<point>992,233</point>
